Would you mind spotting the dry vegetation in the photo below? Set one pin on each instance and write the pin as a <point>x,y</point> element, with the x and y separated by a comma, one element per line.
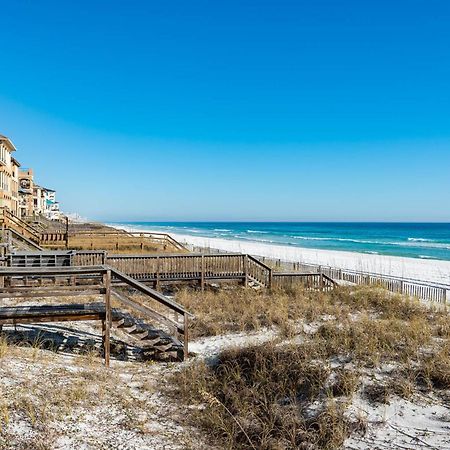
<point>323,355</point>
<point>54,401</point>
<point>296,391</point>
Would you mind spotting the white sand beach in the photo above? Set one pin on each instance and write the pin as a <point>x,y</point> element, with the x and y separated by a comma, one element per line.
<point>420,269</point>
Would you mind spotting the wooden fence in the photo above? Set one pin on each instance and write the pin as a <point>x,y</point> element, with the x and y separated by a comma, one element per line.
<point>424,290</point>
<point>427,291</point>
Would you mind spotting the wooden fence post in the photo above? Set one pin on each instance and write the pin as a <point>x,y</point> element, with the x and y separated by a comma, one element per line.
<point>67,233</point>
<point>108,316</point>
<point>245,270</point>
<point>157,273</point>
<point>202,279</point>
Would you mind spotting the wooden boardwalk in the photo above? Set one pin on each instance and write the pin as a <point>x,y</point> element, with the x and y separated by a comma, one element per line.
<point>60,237</point>
<point>164,268</point>
<point>168,268</point>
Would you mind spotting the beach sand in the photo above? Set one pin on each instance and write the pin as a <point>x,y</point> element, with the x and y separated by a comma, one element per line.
<point>419,269</point>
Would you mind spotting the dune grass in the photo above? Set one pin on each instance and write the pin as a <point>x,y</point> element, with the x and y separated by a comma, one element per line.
<point>295,393</point>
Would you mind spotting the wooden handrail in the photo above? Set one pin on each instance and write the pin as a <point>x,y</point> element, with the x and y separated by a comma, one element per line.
<point>176,307</point>
<point>260,263</point>
<point>11,216</point>
<point>20,236</point>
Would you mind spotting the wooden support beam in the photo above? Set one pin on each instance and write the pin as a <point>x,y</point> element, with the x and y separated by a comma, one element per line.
<point>186,337</point>
<point>108,318</point>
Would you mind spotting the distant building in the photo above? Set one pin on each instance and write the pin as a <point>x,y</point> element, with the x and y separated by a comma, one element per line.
<point>38,200</point>
<point>26,188</point>
<point>15,187</point>
<point>6,172</point>
<point>19,193</point>
<point>51,206</point>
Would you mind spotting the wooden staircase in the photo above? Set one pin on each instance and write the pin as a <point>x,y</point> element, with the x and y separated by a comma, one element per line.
<point>25,235</point>
<point>168,340</point>
<point>139,340</point>
<point>154,343</point>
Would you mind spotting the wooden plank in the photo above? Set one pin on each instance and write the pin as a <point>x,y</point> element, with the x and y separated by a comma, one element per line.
<point>43,288</point>
<point>49,319</point>
<point>78,270</point>
<point>53,293</point>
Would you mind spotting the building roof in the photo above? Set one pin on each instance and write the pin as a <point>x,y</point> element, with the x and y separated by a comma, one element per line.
<point>8,141</point>
<point>14,160</point>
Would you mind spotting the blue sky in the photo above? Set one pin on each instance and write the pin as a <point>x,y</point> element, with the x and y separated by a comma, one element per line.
<point>236,110</point>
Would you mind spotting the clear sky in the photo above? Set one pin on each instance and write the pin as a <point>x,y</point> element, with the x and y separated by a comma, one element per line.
<point>232,110</point>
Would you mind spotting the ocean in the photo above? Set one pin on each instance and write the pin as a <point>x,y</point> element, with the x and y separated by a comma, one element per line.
<point>413,240</point>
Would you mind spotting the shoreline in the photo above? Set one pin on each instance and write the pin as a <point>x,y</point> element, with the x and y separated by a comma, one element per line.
<point>429,270</point>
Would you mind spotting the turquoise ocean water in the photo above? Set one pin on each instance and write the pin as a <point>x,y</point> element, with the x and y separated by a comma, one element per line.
<point>415,240</point>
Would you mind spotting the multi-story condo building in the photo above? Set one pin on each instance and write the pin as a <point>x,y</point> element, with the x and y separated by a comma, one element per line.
<point>38,199</point>
<point>51,210</point>
<point>18,192</point>
<point>44,202</point>
<point>26,187</point>
<point>6,172</point>
<point>15,187</point>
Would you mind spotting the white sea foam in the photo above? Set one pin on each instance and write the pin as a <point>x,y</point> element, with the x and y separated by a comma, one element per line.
<point>412,242</point>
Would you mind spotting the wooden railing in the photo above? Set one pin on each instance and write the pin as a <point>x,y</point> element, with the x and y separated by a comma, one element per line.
<point>307,280</point>
<point>43,282</point>
<point>11,221</point>
<point>259,271</point>
<point>166,268</point>
<point>56,258</point>
<point>54,239</point>
<point>214,267</point>
<point>180,267</point>
<point>110,240</point>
